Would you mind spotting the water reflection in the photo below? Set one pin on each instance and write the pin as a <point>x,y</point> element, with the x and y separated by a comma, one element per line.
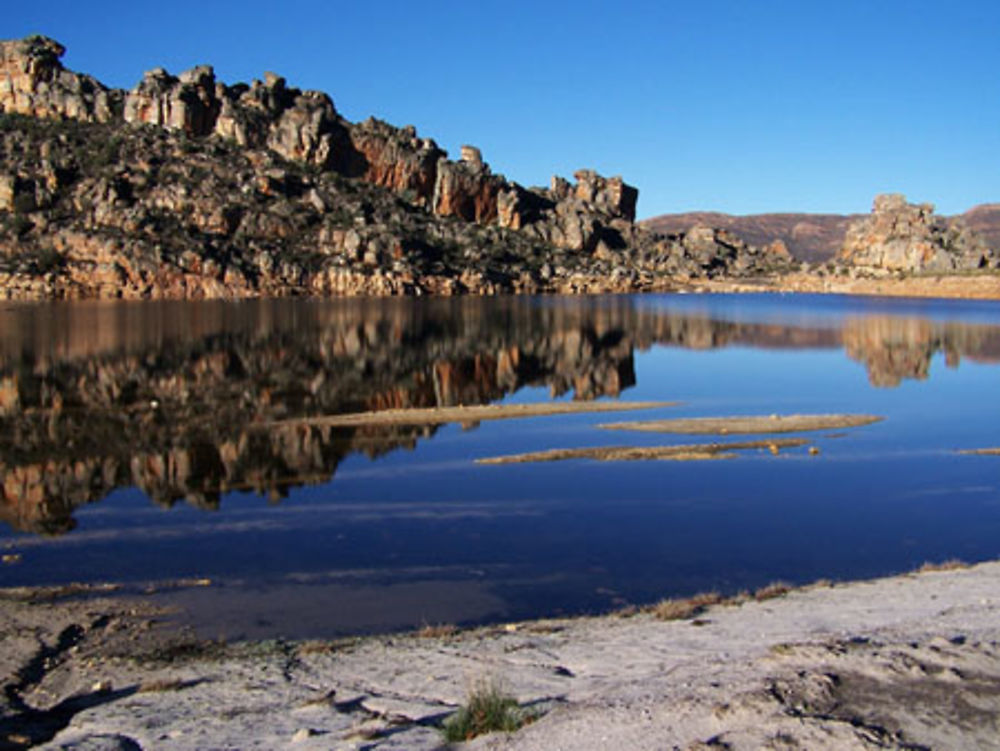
<point>170,397</point>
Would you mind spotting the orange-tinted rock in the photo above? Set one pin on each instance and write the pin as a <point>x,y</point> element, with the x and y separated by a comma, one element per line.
<point>395,158</point>
<point>467,190</point>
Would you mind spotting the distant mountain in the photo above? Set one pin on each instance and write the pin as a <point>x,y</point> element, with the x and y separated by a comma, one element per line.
<point>808,237</point>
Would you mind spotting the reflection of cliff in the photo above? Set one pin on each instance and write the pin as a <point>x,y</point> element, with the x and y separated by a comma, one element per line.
<point>179,419</point>
<point>172,398</point>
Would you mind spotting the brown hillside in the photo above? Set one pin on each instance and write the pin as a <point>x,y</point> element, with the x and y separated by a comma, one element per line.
<point>809,237</point>
<point>985,221</point>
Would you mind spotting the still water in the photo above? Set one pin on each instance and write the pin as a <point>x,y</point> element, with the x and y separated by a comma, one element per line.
<point>149,443</point>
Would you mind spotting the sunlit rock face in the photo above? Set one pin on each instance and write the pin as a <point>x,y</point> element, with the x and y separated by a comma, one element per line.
<point>395,158</point>
<point>187,187</point>
<point>901,236</point>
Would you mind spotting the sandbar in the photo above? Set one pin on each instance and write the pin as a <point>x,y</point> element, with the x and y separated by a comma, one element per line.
<point>746,424</point>
<point>684,452</point>
<point>467,414</point>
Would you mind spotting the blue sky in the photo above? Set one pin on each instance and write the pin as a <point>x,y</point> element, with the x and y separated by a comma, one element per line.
<point>741,107</point>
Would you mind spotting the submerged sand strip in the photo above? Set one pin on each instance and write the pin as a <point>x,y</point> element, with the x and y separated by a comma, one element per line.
<point>746,424</point>
<point>464,414</point>
<point>683,453</point>
<point>981,452</point>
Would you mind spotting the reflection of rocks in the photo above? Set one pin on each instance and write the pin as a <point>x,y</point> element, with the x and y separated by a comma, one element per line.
<point>178,422</point>
<point>896,348</point>
<point>169,397</point>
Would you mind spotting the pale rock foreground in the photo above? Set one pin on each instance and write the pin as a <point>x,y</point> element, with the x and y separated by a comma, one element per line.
<point>905,662</point>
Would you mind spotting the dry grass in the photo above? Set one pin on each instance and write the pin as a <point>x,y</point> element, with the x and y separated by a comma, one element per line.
<point>952,564</point>
<point>679,609</point>
<point>675,609</point>
<point>772,590</point>
<point>437,631</point>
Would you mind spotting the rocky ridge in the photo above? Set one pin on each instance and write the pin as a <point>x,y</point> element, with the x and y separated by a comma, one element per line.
<point>186,187</point>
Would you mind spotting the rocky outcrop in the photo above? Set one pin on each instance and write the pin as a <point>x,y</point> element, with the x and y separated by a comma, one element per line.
<point>33,82</point>
<point>815,238</point>
<point>188,187</point>
<point>301,126</point>
<point>187,103</point>
<point>901,236</point>
<point>609,195</point>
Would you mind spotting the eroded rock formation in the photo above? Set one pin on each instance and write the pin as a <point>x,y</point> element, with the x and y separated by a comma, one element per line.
<point>901,236</point>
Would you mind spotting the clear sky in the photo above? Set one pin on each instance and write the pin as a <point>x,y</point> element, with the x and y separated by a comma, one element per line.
<point>742,106</point>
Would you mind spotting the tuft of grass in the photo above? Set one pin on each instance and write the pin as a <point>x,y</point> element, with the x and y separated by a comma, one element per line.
<point>437,631</point>
<point>161,685</point>
<point>488,709</point>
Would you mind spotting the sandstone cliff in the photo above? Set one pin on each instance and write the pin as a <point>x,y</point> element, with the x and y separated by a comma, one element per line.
<point>186,186</point>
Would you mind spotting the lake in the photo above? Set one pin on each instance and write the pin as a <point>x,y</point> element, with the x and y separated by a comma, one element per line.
<point>186,448</point>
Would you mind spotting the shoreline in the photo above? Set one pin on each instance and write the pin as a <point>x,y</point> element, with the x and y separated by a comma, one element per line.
<point>969,286</point>
<point>903,661</point>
